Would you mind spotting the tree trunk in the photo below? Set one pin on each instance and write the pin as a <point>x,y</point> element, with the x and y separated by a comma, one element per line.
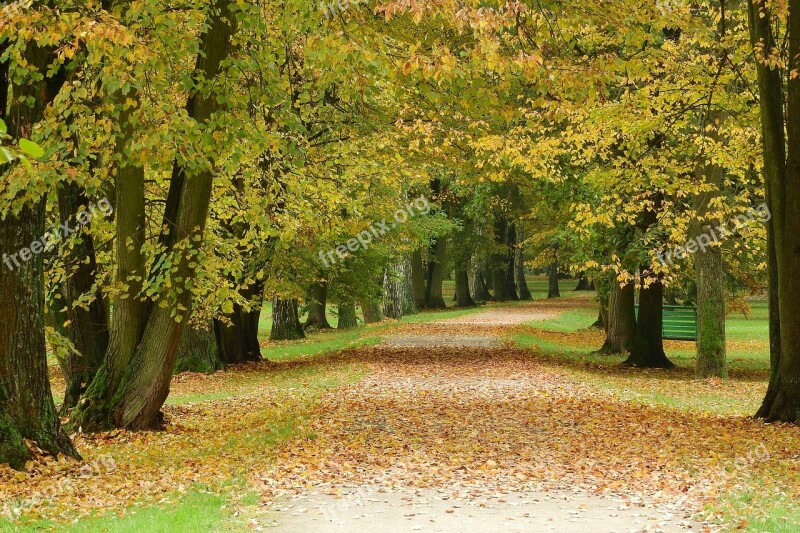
<point>583,283</point>
<point>317,304</point>
<point>648,345</point>
<point>198,351</point>
<point>373,311</point>
<point>462,288</point>
<point>418,279</point>
<point>499,260</point>
<point>347,315</point>
<point>285,321</point>
<point>393,293</point>
<point>433,290</point>
<point>129,390</point>
<point>511,246</point>
<point>237,332</point>
<point>86,327</point>
<point>479,289</point>
<point>709,275</point>
<point>781,181</point>
<point>519,267</point>
<point>409,305</point>
<point>27,410</point>
<point>552,276</point>
<point>621,322</point>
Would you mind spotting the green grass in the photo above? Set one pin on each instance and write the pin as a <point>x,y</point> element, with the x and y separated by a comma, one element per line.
<point>198,510</point>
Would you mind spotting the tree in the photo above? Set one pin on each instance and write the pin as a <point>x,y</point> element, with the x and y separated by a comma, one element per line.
<point>27,410</point>
<point>621,319</point>
<point>285,320</point>
<point>780,126</point>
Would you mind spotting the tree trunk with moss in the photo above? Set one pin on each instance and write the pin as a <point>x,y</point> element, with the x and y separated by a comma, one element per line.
<point>317,306</point>
<point>347,315</point>
<point>373,310</point>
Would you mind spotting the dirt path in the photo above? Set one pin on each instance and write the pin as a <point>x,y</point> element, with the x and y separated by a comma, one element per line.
<point>456,432</point>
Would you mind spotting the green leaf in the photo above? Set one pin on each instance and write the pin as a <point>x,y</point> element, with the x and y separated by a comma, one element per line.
<point>31,149</point>
<point>6,155</point>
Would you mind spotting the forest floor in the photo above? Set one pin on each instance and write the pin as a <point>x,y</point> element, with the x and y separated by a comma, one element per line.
<point>499,419</point>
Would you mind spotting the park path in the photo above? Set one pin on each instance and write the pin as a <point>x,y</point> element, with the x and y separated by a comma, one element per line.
<point>452,430</point>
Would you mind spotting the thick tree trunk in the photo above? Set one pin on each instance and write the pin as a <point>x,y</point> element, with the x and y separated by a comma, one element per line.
<point>198,351</point>
<point>621,319</point>
<point>373,311</point>
<point>583,283</point>
<point>552,276</point>
<point>347,315</point>
<point>317,305</point>
<point>393,293</point>
<point>86,327</point>
<point>27,410</point>
<point>418,279</point>
<point>648,344</point>
<point>26,402</point>
<point>463,298</point>
<point>285,321</point>
<point>711,350</point>
<point>129,391</point>
<point>433,289</point>
<point>237,332</point>
<point>709,277</point>
<point>479,290</point>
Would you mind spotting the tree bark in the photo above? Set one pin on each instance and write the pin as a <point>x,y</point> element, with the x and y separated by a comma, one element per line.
<point>27,410</point>
<point>479,289</point>
<point>552,276</point>
<point>436,266</point>
<point>347,315</point>
<point>404,269</point>
<point>511,247</point>
<point>648,344</point>
<point>463,298</point>
<point>621,323</point>
<point>709,276</point>
<point>285,321</point>
<point>237,332</point>
<point>373,311</point>
<point>519,267</point>
<point>499,261</point>
<point>393,294</point>
<point>317,304</point>
<point>198,351</point>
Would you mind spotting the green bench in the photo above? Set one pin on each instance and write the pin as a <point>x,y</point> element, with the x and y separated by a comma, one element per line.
<point>679,323</point>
